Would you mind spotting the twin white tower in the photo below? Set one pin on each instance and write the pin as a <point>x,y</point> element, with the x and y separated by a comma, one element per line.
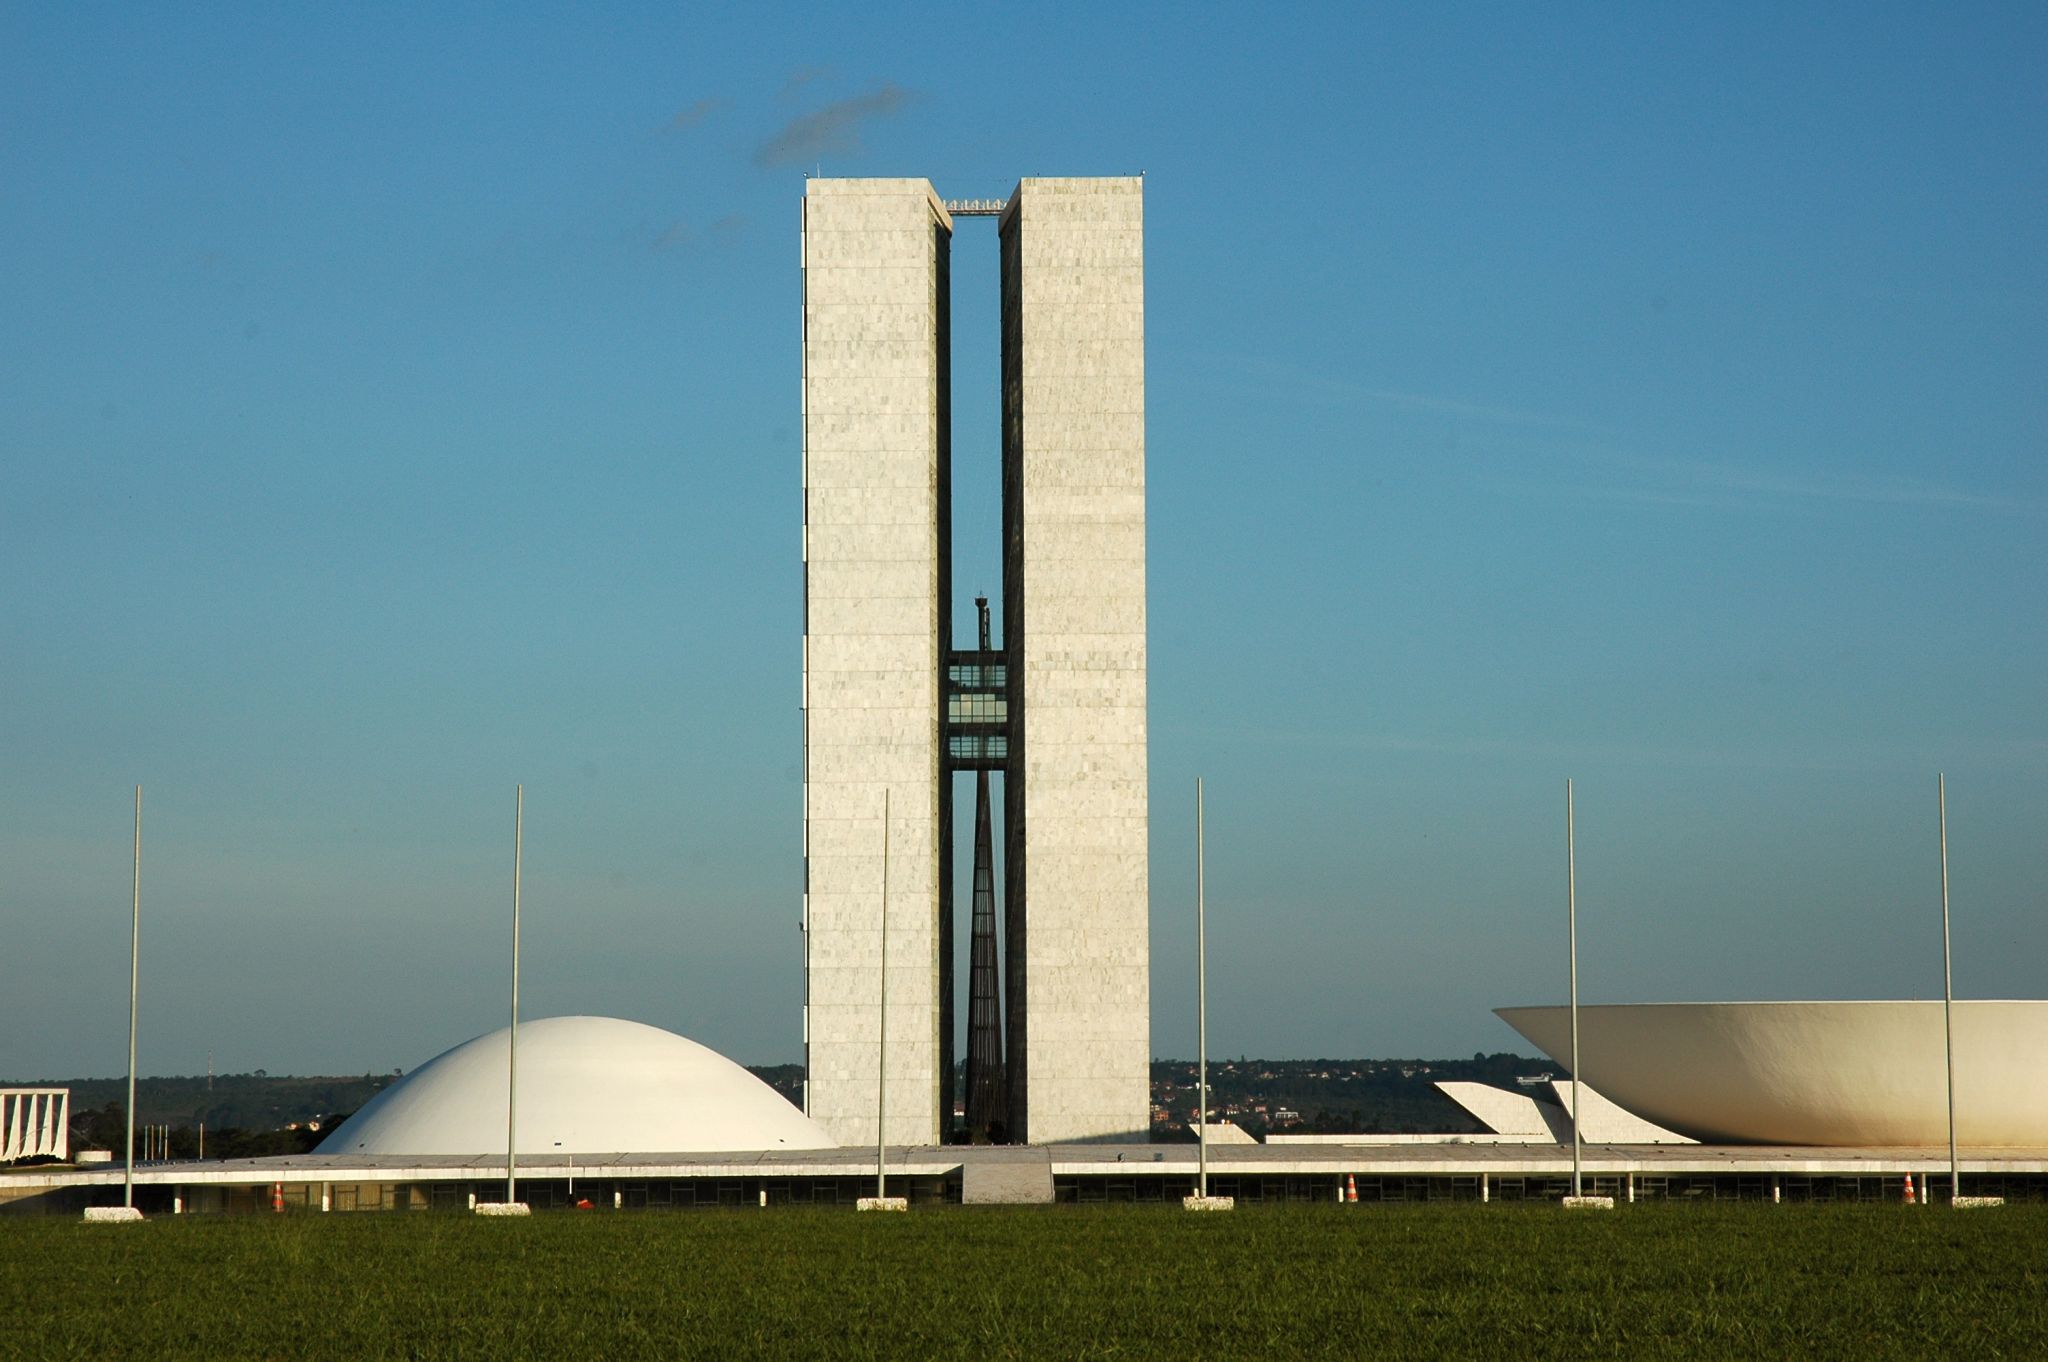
<point>891,701</point>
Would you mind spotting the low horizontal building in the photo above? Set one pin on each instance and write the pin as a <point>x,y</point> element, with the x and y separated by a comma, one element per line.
<point>1406,1172</point>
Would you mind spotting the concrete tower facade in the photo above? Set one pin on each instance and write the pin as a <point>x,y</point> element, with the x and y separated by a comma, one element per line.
<point>876,438</point>
<point>1058,708</point>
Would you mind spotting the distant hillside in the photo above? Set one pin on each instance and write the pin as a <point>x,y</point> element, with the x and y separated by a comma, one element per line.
<point>1333,1095</point>
<point>245,1101</point>
<point>258,1101</point>
<point>787,1079</point>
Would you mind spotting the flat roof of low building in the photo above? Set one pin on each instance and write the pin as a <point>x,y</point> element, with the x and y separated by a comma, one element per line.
<point>1079,1160</point>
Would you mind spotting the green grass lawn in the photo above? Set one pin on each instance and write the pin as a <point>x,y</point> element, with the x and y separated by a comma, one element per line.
<point>1500,1281</point>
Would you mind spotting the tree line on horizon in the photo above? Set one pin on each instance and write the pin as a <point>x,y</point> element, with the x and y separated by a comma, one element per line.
<point>257,1114</point>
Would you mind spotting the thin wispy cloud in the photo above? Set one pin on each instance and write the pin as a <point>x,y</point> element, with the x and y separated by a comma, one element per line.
<point>695,114</point>
<point>1876,490</point>
<point>831,131</point>
<point>681,236</point>
<point>1345,390</point>
<point>801,78</point>
<point>1817,754</point>
<point>1653,481</point>
<point>1456,406</point>
<point>1614,476</point>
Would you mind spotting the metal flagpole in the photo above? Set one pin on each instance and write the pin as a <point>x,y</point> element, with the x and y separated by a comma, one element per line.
<point>882,1054</point>
<point>512,1040</point>
<point>1948,996</point>
<point>1201,997</point>
<point>134,981</point>
<point>1571,880</point>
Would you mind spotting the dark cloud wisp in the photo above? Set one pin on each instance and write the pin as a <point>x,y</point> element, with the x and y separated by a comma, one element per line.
<point>832,130</point>
<point>803,76</point>
<point>686,119</point>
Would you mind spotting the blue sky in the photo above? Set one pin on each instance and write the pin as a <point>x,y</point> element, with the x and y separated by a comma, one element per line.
<point>398,403</point>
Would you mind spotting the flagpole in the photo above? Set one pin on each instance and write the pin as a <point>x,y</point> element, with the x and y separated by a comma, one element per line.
<point>512,1038</point>
<point>882,1053</point>
<point>1571,874</point>
<point>1948,997</point>
<point>1201,997</point>
<point>134,983</point>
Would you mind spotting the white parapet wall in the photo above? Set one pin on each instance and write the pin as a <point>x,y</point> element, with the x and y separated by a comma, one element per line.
<point>35,1123</point>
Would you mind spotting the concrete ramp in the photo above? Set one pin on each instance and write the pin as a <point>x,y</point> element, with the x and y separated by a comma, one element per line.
<point>1006,1177</point>
<point>1605,1123</point>
<point>1518,1118</point>
<point>1511,1116</point>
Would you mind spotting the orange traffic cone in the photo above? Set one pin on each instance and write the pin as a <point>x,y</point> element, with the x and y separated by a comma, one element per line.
<point>1351,1189</point>
<point>277,1196</point>
<point>1909,1189</point>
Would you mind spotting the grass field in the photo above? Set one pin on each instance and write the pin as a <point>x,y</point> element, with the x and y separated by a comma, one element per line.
<point>1501,1281</point>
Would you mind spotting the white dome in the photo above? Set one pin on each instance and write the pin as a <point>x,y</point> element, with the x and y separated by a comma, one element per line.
<point>1850,1073</point>
<point>587,1085</point>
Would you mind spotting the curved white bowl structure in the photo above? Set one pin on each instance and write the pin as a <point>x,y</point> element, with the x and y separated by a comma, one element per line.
<point>1852,1073</point>
<point>587,1085</point>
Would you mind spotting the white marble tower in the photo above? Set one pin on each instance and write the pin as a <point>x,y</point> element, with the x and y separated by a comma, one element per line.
<point>1067,729</point>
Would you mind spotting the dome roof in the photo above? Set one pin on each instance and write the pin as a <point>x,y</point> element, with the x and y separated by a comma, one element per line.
<point>587,1085</point>
<point>1813,1073</point>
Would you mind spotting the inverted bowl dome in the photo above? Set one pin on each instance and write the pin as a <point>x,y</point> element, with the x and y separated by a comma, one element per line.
<point>587,1085</point>
<point>1853,1073</point>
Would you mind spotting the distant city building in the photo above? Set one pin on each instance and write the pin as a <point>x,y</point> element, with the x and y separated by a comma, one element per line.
<point>892,703</point>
